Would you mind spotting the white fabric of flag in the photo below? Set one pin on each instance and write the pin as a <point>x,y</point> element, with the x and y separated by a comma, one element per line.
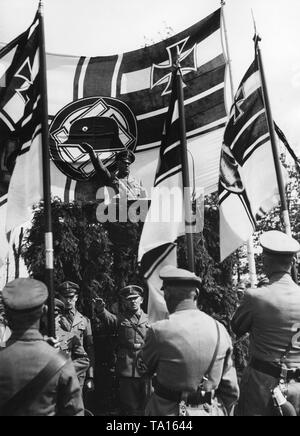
<point>248,186</point>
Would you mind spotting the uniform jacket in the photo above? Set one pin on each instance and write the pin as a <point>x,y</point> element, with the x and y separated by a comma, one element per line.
<point>81,327</point>
<point>132,187</point>
<point>179,350</point>
<point>131,333</point>
<point>24,357</point>
<point>71,345</point>
<point>271,315</point>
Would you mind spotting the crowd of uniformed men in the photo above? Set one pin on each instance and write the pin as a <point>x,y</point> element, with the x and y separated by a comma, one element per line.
<point>178,366</point>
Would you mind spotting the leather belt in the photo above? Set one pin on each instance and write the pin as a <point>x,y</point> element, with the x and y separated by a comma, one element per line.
<point>192,398</point>
<point>275,370</point>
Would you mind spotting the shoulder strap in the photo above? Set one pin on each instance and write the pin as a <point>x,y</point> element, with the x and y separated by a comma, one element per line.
<point>135,327</point>
<point>215,352</point>
<point>27,395</point>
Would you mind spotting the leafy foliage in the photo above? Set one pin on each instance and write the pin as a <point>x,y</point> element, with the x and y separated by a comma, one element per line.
<point>81,249</point>
<point>273,221</point>
<point>103,257</point>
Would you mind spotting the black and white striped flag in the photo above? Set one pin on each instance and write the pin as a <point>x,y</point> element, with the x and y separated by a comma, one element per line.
<point>20,131</point>
<point>133,90</point>
<point>248,186</point>
<point>165,218</point>
<point>141,79</point>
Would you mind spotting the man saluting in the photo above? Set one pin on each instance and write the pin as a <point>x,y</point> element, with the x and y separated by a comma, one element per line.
<point>122,182</point>
<point>130,326</point>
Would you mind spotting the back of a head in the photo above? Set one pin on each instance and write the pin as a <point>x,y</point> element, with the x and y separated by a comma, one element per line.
<point>179,284</point>
<point>184,292</point>
<point>279,250</point>
<point>279,261</point>
<point>23,300</point>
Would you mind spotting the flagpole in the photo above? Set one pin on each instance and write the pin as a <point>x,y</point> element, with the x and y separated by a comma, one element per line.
<point>7,269</point>
<point>250,246</point>
<point>185,172</point>
<point>279,175</point>
<point>228,59</point>
<point>280,182</point>
<point>46,175</point>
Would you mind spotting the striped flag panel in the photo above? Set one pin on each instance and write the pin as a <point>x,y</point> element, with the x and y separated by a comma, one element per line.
<point>20,130</point>
<point>247,184</point>
<point>162,227</point>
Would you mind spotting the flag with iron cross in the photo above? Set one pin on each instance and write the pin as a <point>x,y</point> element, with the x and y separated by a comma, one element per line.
<point>129,94</point>
<point>142,78</point>
<point>89,87</point>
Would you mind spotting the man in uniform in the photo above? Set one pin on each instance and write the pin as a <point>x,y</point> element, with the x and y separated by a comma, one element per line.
<point>190,353</point>
<point>271,314</point>
<point>35,379</point>
<point>78,325</point>
<point>70,343</point>
<point>130,326</point>
<point>123,184</point>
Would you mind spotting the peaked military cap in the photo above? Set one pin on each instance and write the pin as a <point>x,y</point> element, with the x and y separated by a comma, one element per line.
<point>178,276</point>
<point>126,156</point>
<point>275,242</point>
<point>68,289</point>
<point>131,291</point>
<point>24,294</point>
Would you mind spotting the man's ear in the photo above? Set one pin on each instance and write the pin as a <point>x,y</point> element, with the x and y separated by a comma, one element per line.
<point>45,309</point>
<point>294,260</point>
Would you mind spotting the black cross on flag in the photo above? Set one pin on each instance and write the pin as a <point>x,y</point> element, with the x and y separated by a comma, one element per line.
<point>237,105</point>
<point>162,73</point>
<point>248,185</point>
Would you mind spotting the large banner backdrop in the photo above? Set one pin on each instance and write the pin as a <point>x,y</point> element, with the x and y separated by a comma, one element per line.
<point>133,89</point>
<point>90,98</point>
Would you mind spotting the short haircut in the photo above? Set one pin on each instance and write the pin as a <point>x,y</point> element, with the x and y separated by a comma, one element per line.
<point>181,293</point>
<point>284,260</point>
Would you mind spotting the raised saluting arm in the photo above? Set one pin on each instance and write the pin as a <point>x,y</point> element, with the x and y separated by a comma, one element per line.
<point>101,171</point>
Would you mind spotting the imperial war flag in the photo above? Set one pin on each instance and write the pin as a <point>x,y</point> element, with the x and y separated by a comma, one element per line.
<point>131,92</point>
<point>20,132</point>
<point>248,185</point>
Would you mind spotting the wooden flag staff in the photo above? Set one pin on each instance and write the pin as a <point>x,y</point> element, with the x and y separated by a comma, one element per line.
<point>185,172</point>
<point>46,177</point>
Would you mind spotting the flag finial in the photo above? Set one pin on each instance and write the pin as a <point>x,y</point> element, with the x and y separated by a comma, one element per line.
<point>41,6</point>
<point>256,37</point>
